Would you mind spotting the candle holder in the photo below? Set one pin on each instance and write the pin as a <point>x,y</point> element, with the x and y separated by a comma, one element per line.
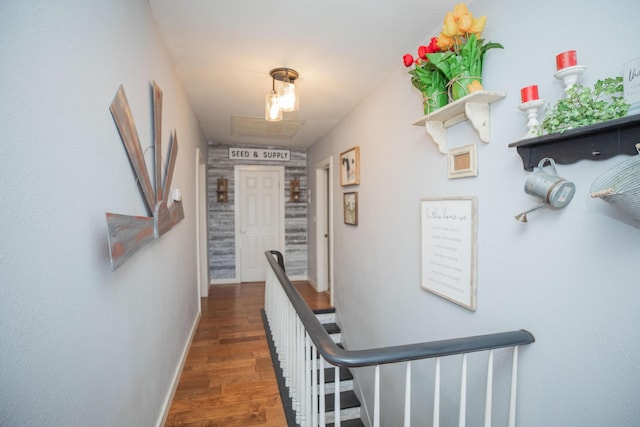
<point>532,107</point>
<point>569,75</point>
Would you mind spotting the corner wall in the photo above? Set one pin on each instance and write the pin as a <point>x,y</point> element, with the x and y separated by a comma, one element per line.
<point>82,345</point>
<point>568,276</point>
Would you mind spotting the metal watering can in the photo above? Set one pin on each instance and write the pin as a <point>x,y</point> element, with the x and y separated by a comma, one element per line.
<point>545,184</point>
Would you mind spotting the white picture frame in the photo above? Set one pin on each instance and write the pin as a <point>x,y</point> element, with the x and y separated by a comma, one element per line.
<point>449,228</point>
<point>463,162</point>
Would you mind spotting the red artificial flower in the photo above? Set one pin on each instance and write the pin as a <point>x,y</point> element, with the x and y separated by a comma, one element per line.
<point>422,52</point>
<point>433,46</point>
<point>408,60</point>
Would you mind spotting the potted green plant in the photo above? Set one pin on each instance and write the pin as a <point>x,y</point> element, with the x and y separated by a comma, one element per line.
<point>585,106</point>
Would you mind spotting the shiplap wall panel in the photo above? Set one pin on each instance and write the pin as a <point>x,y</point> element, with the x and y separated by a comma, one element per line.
<point>221,216</point>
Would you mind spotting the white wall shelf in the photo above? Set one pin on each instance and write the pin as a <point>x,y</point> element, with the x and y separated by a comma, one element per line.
<point>473,107</point>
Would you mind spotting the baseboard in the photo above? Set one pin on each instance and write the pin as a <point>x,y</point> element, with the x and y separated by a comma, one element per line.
<point>176,376</point>
<point>313,283</point>
<point>230,281</point>
<point>235,280</point>
<point>298,278</point>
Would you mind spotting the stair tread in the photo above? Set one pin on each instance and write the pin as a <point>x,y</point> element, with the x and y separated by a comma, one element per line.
<point>324,310</point>
<point>331,328</point>
<point>348,399</point>
<point>329,375</point>
<point>349,423</point>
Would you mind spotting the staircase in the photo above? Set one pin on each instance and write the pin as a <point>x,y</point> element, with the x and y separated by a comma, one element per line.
<point>349,403</point>
<point>298,331</point>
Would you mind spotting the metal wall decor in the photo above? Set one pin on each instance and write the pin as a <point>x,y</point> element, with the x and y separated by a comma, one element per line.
<point>129,233</point>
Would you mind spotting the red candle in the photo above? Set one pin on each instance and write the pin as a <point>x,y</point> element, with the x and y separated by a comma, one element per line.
<point>529,93</point>
<point>566,59</point>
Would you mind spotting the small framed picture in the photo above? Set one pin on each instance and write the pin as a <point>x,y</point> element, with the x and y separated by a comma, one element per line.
<point>463,161</point>
<point>351,208</point>
<point>350,167</point>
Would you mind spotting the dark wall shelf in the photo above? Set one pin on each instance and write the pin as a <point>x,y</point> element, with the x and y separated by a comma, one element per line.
<point>595,142</point>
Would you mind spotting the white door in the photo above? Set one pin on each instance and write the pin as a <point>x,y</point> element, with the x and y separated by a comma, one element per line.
<point>260,214</point>
<point>324,227</point>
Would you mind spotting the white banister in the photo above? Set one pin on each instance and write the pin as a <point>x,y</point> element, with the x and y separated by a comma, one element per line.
<point>407,396</point>
<point>322,404</point>
<point>514,387</point>
<point>301,349</point>
<point>314,385</point>
<point>489,397</point>
<point>376,398</point>
<point>436,395</point>
<point>336,397</point>
<point>307,396</point>
<point>462,415</point>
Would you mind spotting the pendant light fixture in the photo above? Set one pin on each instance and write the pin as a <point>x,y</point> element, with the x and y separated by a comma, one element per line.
<point>272,111</point>
<point>286,98</point>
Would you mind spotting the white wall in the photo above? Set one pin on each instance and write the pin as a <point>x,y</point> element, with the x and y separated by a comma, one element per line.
<point>568,276</point>
<point>82,345</point>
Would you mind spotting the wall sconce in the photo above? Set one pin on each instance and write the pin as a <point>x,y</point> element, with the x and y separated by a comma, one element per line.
<point>294,190</point>
<point>222,190</point>
<point>286,98</point>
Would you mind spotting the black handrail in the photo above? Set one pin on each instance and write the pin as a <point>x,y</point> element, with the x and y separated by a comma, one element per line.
<point>383,355</point>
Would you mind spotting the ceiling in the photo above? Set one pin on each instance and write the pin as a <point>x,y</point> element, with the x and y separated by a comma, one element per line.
<point>224,50</point>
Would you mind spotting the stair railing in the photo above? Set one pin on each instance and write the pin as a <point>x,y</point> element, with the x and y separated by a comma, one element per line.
<point>303,345</point>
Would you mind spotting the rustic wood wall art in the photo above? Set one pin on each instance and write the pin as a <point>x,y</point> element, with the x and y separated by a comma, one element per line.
<point>129,233</point>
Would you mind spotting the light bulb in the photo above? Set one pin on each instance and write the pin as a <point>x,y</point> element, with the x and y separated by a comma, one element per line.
<point>287,95</point>
<point>272,111</point>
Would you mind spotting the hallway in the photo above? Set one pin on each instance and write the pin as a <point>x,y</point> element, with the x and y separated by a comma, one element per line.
<point>228,379</point>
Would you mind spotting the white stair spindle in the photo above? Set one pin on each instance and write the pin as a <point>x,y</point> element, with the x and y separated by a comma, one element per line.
<point>489,399</point>
<point>436,395</point>
<point>407,397</point>
<point>376,398</point>
<point>462,416</point>
<point>514,387</point>
<point>314,386</point>
<point>336,397</point>
<point>307,380</point>
<point>321,392</point>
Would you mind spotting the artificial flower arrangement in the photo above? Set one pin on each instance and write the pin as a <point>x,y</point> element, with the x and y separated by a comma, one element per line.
<point>450,67</point>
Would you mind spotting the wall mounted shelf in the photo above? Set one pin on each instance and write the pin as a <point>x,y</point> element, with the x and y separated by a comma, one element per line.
<point>473,107</point>
<point>595,142</point>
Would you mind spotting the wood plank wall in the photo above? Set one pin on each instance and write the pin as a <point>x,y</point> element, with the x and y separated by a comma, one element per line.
<point>221,216</point>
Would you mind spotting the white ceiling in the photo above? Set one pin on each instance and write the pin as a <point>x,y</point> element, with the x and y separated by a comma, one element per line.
<point>224,50</point>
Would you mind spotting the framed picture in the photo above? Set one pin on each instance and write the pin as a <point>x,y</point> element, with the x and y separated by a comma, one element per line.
<point>350,167</point>
<point>463,161</point>
<point>351,208</point>
<point>449,228</point>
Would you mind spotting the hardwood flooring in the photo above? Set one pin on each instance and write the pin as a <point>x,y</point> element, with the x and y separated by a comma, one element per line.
<point>228,379</point>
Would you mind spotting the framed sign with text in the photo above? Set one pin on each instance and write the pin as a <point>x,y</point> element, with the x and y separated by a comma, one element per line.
<point>449,228</point>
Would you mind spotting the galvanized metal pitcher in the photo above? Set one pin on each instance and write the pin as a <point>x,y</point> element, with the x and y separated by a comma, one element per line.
<point>546,184</point>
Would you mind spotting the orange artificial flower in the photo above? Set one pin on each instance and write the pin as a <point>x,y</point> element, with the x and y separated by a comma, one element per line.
<point>450,27</point>
<point>444,42</point>
<point>460,10</point>
<point>465,22</point>
<point>478,25</point>
<point>474,86</point>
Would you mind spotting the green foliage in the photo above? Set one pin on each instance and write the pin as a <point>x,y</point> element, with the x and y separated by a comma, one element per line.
<point>586,106</point>
<point>468,60</point>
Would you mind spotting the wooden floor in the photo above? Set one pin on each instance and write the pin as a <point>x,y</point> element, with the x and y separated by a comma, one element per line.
<point>228,379</point>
